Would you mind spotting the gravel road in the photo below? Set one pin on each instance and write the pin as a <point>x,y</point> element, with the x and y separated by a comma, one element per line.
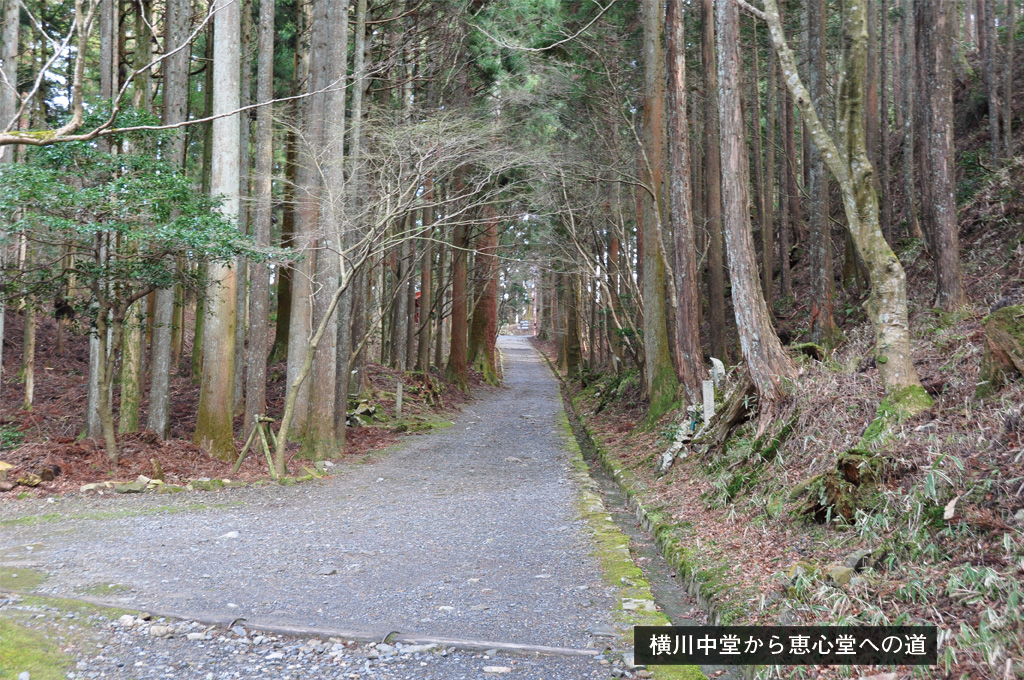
<point>469,533</point>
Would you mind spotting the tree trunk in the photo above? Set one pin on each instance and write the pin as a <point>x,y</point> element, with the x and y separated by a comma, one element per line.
<point>1011,39</point>
<point>457,369</point>
<point>823,326</point>
<point>486,360</point>
<point>787,188</point>
<point>399,358</point>
<point>202,303</point>
<point>661,380</point>
<point>131,370</point>
<point>216,396</point>
<point>909,117</point>
<point>244,160</point>
<point>768,236</point>
<point>935,39</point>
<point>8,110</point>
<point>713,186</point>
<point>887,303</point>
<point>426,282</point>
<point>440,295</point>
<point>175,96</point>
<point>687,329</point>
<point>28,353</point>
<point>885,195</point>
<point>262,212</point>
<point>284,272</point>
<point>306,212</point>
<point>992,82</point>
<point>326,135</point>
<point>767,363</point>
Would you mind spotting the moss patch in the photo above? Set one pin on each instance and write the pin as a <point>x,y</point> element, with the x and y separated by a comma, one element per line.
<point>635,601</point>
<point>32,520</point>
<point>894,409</point>
<point>105,589</point>
<point>22,650</point>
<point>22,579</point>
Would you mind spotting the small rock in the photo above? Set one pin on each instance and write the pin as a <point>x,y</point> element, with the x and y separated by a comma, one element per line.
<point>24,675</point>
<point>601,630</point>
<point>859,560</point>
<point>274,655</point>
<point>326,571</point>
<point>29,480</point>
<point>385,649</point>
<point>418,649</point>
<point>230,534</point>
<point>627,658</point>
<point>496,669</point>
<point>858,582</point>
<point>126,621</point>
<point>617,672</point>
<point>6,486</point>
<point>4,467</point>
<point>1019,515</point>
<point>196,636</point>
<point>787,618</point>
<point>130,487</point>
<point>633,604</point>
<point>839,575</point>
<point>513,459</point>
<point>159,631</point>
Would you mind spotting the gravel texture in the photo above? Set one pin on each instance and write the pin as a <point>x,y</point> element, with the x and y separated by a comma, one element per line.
<point>129,647</point>
<point>468,533</point>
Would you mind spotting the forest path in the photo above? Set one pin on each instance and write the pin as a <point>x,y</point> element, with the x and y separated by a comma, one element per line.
<point>471,532</point>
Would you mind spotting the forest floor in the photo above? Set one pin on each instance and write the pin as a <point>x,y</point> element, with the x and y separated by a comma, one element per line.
<point>489,531</point>
<point>49,434</point>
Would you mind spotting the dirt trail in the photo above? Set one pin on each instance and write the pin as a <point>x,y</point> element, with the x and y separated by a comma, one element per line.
<point>467,533</point>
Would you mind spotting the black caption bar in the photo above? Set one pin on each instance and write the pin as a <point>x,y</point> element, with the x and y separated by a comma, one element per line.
<point>786,645</point>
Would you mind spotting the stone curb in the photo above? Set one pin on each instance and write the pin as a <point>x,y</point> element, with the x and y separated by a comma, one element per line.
<point>720,610</point>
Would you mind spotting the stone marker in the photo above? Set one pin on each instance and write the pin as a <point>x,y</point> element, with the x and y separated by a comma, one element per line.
<point>709,400</point>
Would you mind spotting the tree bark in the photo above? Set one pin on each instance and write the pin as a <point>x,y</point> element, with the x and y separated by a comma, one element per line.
<point>884,179</point>
<point>689,360</point>
<point>326,134</point>
<point>175,97</point>
<point>992,82</point>
<point>244,161</point>
<point>713,186</point>
<point>823,326</point>
<point>1011,39</point>
<point>28,354</point>
<point>262,211</point>
<point>767,363</point>
<point>661,380</point>
<point>487,308</point>
<point>300,325</point>
<point>457,370</point>
<point>426,282</point>
<point>909,121</point>
<point>216,396</point>
<point>8,110</point>
<point>934,20</point>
